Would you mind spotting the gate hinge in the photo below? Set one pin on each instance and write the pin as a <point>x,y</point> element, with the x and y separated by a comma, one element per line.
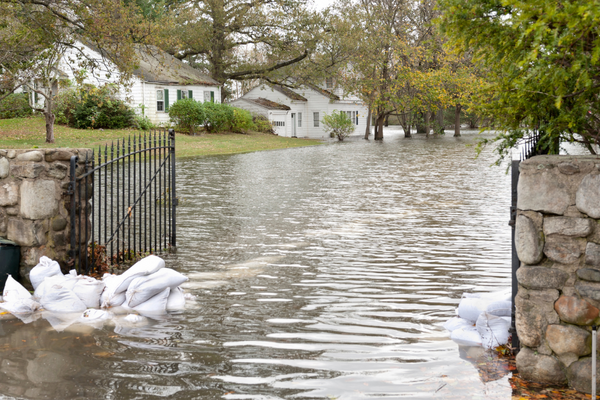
<point>176,201</point>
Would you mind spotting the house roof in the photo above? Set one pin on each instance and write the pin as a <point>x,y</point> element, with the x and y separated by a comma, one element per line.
<point>271,105</point>
<point>155,65</point>
<point>324,92</point>
<point>288,92</point>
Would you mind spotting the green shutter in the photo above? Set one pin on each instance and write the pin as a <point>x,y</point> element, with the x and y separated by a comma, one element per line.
<point>35,99</point>
<point>178,94</point>
<point>212,97</point>
<point>190,94</point>
<point>166,100</point>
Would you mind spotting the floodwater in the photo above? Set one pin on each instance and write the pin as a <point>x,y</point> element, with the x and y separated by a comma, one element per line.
<point>322,272</point>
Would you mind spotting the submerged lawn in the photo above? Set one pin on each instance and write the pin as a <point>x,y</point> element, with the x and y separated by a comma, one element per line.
<point>25,133</point>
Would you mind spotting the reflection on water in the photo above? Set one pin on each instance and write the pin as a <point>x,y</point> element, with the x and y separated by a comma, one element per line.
<point>320,272</point>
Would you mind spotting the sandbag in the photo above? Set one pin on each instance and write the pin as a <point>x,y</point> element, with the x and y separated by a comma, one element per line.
<point>466,336</point>
<point>109,298</point>
<point>60,299</point>
<point>176,300</point>
<point>89,290</point>
<point>14,292</point>
<point>471,307</point>
<point>45,268</point>
<point>21,306</point>
<point>493,330</point>
<point>66,281</point>
<point>156,304</point>
<point>142,289</point>
<point>457,323</point>
<point>146,266</point>
<point>501,295</point>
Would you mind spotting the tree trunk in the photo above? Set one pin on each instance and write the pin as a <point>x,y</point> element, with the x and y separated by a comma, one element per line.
<point>439,121</point>
<point>379,131</point>
<point>457,120</point>
<point>49,126</point>
<point>426,123</point>
<point>368,130</point>
<point>387,121</point>
<point>405,125</point>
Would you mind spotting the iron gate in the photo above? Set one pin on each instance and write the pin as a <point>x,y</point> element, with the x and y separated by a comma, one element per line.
<point>123,203</point>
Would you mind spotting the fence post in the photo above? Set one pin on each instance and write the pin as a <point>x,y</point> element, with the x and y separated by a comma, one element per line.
<point>71,192</point>
<point>174,200</point>
<point>516,346</point>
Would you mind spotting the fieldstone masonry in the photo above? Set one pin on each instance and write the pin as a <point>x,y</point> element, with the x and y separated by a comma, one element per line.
<point>34,203</point>
<point>557,237</point>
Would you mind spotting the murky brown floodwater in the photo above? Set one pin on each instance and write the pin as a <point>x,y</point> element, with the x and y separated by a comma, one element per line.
<point>321,272</point>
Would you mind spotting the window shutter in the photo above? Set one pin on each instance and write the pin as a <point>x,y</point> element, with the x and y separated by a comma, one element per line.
<point>166,99</point>
<point>212,97</point>
<point>178,94</point>
<point>190,94</point>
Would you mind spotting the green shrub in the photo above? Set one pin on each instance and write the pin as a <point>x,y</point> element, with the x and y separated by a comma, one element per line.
<point>64,106</point>
<point>100,108</point>
<point>262,124</point>
<point>219,117</point>
<point>187,114</point>
<point>339,124</point>
<point>15,105</point>
<point>242,121</point>
<point>142,122</point>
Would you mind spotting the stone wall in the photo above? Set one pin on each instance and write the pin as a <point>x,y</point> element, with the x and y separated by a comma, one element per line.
<point>558,243</point>
<point>34,204</point>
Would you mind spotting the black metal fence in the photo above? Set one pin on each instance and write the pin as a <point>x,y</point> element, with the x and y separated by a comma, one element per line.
<point>123,204</point>
<point>529,147</point>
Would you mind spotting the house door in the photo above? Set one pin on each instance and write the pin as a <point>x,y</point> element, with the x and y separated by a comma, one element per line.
<point>294,125</point>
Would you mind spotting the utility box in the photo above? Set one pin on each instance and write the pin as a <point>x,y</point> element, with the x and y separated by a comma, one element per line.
<point>10,258</point>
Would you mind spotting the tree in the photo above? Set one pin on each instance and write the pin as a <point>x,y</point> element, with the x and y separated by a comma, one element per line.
<point>35,34</point>
<point>542,61</point>
<point>212,34</point>
<point>338,124</point>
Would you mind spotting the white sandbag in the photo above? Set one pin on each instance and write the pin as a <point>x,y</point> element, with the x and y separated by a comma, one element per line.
<point>21,306</point>
<point>14,292</point>
<point>109,298</point>
<point>66,281</point>
<point>156,304</point>
<point>501,295</point>
<point>471,307</point>
<point>135,319</point>
<point>493,330</point>
<point>46,267</point>
<point>466,336</point>
<point>146,266</point>
<point>501,308</point>
<point>89,290</point>
<point>59,299</point>
<point>143,288</point>
<point>95,318</point>
<point>457,323</point>
<point>176,300</point>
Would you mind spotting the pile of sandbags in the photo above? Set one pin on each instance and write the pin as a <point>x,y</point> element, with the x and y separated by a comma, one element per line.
<point>147,287</point>
<point>483,320</point>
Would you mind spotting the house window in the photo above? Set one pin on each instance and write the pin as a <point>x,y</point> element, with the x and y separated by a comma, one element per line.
<point>160,100</point>
<point>279,123</point>
<point>184,94</point>
<point>209,96</point>
<point>316,119</point>
<point>349,113</point>
<point>329,83</point>
<point>299,120</point>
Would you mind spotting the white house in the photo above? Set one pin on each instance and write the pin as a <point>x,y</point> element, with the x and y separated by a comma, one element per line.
<point>307,105</point>
<point>276,113</point>
<point>158,82</point>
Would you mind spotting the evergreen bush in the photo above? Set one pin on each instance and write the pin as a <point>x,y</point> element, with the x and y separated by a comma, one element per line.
<point>187,114</point>
<point>15,105</point>
<point>219,117</point>
<point>100,108</point>
<point>242,121</point>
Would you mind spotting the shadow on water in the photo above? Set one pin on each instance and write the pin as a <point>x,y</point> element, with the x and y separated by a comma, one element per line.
<point>319,272</point>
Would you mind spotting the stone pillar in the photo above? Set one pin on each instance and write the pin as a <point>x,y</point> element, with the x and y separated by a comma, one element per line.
<point>558,243</point>
<point>34,203</point>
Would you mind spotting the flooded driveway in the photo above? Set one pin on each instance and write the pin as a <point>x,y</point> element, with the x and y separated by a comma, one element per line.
<point>320,273</point>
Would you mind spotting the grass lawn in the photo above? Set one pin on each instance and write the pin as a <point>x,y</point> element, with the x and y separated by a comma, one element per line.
<point>27,133</point>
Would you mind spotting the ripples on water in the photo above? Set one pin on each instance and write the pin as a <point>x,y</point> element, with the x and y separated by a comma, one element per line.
<point>321,272</point>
